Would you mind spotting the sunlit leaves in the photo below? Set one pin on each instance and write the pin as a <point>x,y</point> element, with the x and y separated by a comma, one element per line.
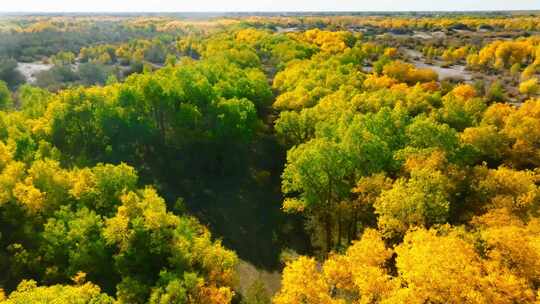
<point>29,292</point>
<point>420,201</point>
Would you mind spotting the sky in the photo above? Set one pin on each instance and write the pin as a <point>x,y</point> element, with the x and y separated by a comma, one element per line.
<point>261,5</point>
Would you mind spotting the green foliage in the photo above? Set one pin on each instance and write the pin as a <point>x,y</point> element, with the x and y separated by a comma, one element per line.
<point>304,82</point>
<point>236,119</point>
<point>91,73</point>
<point>63,58</point>
<point>5,96</point>
<point>420,201</point>
<point>425,133</point>
<point>9,73</point>
<point>33,100</point>
<point>72,242</point>
<point>317,170</point>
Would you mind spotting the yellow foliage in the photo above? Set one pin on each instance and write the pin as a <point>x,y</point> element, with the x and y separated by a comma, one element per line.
<point>9,177</point>
<point>303,283</point>
<point>366,262</point>
<point>31,197</point>
<point>359,274</point>
<point>464,91</point>
<point>496,218</point>
<point>293,205</point>
<point>117,229</point>
<point>391,52</point>
<point>406,72</point>
<point>79,278</point>
<point>420,201</point>
<point>28,292</point>
<point>523,128</point>
<point>331,42</point>
<point>439,269</point>
<point>369,188</point>
<point>504,54</point>
<point>515,248</point>
<point>5,155</point>
<point>529,87</point>
<point>375,82</point>
<point>250,36</point>
<point>83,181</point>
<point>497,115</point>
<point>486,140</point>
<point>215,295</point>
<point>447,269</point>
<point>515,191</point>
<point>455,55</point>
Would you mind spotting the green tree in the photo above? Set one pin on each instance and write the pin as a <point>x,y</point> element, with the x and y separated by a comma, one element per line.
<point>422,200</point>
<point>319,170</point>
<point>5,96</point>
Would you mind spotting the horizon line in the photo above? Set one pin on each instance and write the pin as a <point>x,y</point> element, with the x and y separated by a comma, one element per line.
<point>273,11</point>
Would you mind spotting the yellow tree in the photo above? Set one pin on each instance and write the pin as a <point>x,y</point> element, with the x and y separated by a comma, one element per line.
<point>529,87</point>
<point>358,275</point>
<point>302,282</point>
<point>522,127</point>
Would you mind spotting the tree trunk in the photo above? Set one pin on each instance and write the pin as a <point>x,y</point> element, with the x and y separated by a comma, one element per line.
<point>339,219</point>
<point>354,226</point>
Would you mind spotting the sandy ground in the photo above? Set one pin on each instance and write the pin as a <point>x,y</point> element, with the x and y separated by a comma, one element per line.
<point>30,70</point>
<point>247,274</point>
<point>452,72</point>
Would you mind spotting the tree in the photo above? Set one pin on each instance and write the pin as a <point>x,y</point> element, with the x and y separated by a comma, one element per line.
<point>295,127</point>
<point>92,73</point>
<point>461,108</point>
<point>332,42</point>
<point>461,281</point>
<point>361,271</point>
<point>5,96</point>
<point>29,292</point>
<point>521,127</point>
<point>405,72</point>
<point>151,243</point>
<point>9,73</point>
<point>63,58</point>
<point>486,142</point>
<point>512,246</point>
<point>425,133</point>
<point>235,119</point>
<point>317,291</point>
<point>100,187</point>
<point>304,82</point>
<point>512,190</point>
<point>72,242</point>
<point>422,200</point>
<point>33,100</point>
<point>372,139</point>
<point>317,170</point>
<point>357,275</point>
<point>530,87</point>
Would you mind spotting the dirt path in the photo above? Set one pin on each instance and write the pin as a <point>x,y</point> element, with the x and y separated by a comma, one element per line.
<point>248,274</point>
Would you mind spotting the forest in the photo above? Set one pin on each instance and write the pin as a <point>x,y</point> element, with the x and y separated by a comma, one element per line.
<point>273,158</point>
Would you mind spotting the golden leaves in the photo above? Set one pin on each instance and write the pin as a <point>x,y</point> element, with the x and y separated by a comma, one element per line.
<point>31,197</point>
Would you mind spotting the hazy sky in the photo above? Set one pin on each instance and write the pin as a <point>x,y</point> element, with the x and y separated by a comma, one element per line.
<point>260,5</point>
